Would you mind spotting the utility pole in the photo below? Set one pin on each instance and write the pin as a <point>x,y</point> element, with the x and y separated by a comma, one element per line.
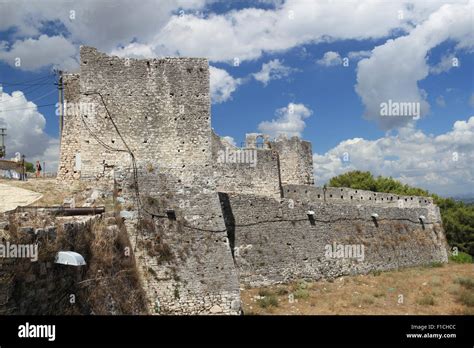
<point>23,168</point>
<point>61,114</point>
<point>3,150</point>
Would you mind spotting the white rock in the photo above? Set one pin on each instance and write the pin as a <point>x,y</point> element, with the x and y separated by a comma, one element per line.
<point>215,309</point>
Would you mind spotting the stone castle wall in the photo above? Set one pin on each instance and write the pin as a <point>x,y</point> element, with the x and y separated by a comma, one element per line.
<point>276,241</point>
<point>260,175</point>
<point>185,261</point>
<point>39,287</point>
<point>356,197</point>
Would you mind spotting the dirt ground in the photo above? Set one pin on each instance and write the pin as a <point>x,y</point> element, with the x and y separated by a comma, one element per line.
<point>446,289</point>
<point>11,197</point>
<point>54,192</point>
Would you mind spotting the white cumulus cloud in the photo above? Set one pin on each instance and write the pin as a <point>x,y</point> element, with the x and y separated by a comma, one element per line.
<point>446,63</point>
<point>359,54</point>
<point>222,85</point>
<point>394,69</point>
<point>230,140</point>
<point>32,54</point>
<point>290,121</point>
<point>441,164</point>
<point>273,70</point>
<point>26,130</point>
<point>330,58</point>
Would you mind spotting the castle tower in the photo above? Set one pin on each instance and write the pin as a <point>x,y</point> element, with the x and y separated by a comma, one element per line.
<point>157,109</point>
<point>295,160</point>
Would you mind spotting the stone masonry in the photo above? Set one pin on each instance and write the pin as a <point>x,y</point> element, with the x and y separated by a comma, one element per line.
<point>204,215</point>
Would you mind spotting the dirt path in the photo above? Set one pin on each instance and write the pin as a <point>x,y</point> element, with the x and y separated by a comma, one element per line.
<point>12,197</point>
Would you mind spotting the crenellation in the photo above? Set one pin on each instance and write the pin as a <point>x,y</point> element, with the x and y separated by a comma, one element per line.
<point>352,196</point>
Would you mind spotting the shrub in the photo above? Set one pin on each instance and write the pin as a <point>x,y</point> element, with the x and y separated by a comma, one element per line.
<point>468,283</point>
<point>301,293</point>
<point>379,293</point>
<point>363,299</point>
<point>435,264</point>
<point>264,292</point>
<point>461,258</point>
<point>281,291</point>
<point>466,297</point>
<point>268,301</point>
<point>426,300</point>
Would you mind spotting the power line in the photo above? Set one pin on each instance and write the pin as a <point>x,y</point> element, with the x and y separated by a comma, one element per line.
<point>44,95</point>
<point>3,150</point>
<point>32,107</point>
<point>33,88</point>
<point>135,168</point>
<point>153,215</point>
<point>27,101</point>
<point>26,82</point>
<point>23,91</point>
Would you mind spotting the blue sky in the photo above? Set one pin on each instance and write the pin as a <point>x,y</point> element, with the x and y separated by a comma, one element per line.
<point>291,56</point>
<point>330,94</point>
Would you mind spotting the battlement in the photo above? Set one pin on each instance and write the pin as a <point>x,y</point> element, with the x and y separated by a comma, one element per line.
<point>257,140</point>
<point>351,196</point>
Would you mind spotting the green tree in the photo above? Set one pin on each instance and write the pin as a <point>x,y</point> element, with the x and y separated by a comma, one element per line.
<point>458,217</point>
<point>30,168</point>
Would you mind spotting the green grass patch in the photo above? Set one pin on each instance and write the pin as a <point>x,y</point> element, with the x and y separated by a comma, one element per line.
<point>268,301</point>
<point>434,265</point>
<point>301,293</point>
<point>461,257</point>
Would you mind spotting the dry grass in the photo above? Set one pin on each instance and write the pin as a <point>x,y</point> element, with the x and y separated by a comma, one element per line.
<point>424,290</point>
<point>54,192</point>
<point>111,284</point>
